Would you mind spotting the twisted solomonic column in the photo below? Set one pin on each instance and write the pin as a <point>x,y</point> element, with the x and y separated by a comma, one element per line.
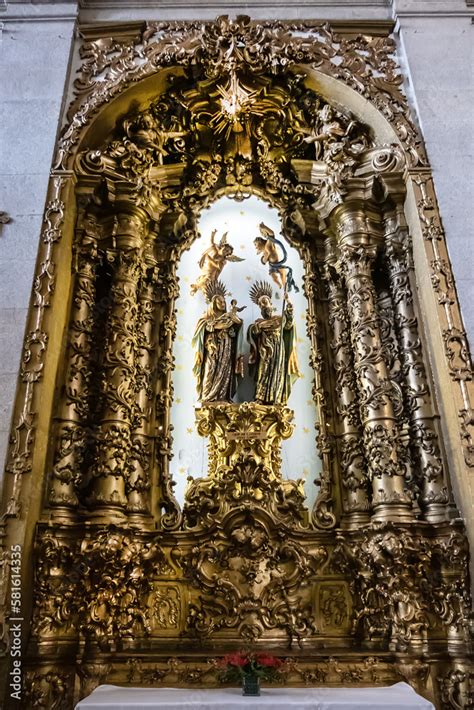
<point>418,403</point>
<point>110,471</point>
<point>354,478</point>
<point>72,433</point>
<point>391,355</point>
<point>378,397</point>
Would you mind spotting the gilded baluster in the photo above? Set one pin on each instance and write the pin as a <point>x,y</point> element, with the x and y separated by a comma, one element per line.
<point>323,516</point>
<point>72,434</point>
<point>110,471</point>
<point>355,484</point>
<point>377,393</point>
<point>424,438</point>
<point>139,479</point>
<point>168,291</point>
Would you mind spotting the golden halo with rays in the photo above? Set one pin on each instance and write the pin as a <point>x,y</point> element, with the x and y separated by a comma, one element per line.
<point>259,289</point>
<point>214,288</point>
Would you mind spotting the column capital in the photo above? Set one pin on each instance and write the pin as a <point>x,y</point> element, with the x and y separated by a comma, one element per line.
<point>356,224</point>
<point>130,227</point>
<point>357,260</point>
<point>397,244</point>
<point>331,256</point>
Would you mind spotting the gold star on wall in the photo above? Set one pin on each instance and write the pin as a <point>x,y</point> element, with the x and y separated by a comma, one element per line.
<point>306,430</point>
<point>178,400</point>
<point>189,429</point>
<point>182,469</point>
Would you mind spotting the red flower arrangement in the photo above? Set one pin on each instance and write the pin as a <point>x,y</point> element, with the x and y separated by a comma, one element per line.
<point>238,665</point>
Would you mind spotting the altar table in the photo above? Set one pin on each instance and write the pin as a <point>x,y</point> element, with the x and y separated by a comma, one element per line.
<point>396,697</point>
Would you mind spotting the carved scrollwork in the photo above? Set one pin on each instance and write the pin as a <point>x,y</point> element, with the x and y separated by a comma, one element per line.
<point>246,503</point>
<point>36,339</point>
<point>326,670</point>
<point>365,63</point>
<point>442,281</point>
<point>50,690</point>
<point>249,486</point>
<point>245,561</point>
<point>457,352</point>
<point>92,675</point>
<point>98,585</point>
<point>415,673</point>
<point>456,687</point>
<point>166,608</point>
<point>456,346</point>
<point>57,576</point>
<point>244,571</point>
<point>395,572</point>
<point>115,585</point>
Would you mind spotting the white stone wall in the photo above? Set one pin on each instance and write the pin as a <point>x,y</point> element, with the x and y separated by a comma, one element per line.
<point>437,46</point>
<point>435,42</point>
<point>35,45</point>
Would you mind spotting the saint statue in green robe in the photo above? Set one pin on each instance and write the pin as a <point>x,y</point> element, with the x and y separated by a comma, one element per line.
<point>272,339</point>
<point>218,341</point>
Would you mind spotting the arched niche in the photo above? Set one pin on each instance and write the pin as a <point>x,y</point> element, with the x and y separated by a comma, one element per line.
<point>240,220</point>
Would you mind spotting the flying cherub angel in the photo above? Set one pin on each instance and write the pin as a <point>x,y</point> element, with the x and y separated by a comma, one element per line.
<point>213,261</point>
<point>266,246</point>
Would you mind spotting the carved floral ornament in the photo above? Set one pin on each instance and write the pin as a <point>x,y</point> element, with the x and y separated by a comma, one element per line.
<point>244,561</point>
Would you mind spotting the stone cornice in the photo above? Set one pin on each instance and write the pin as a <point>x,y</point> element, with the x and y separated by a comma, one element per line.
<point>129,30</point>
<point>38,11</point>
<point>224,4</point>
<point>51,10</point>
<point>91,11</point>
<point>437,9</point>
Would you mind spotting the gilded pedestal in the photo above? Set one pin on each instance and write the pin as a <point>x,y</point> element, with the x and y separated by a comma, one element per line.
<point>247,430</point>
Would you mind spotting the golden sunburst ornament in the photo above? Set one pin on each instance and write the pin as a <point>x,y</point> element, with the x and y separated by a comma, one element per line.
<point>234,98</point>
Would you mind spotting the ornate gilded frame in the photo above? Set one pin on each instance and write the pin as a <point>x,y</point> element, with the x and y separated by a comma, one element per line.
<point>346,69</point>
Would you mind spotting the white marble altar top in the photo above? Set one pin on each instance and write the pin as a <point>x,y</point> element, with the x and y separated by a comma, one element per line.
<point>396,697</point>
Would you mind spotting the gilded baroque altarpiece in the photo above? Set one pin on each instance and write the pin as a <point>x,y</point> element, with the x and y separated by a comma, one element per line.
<point>371,585</point>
